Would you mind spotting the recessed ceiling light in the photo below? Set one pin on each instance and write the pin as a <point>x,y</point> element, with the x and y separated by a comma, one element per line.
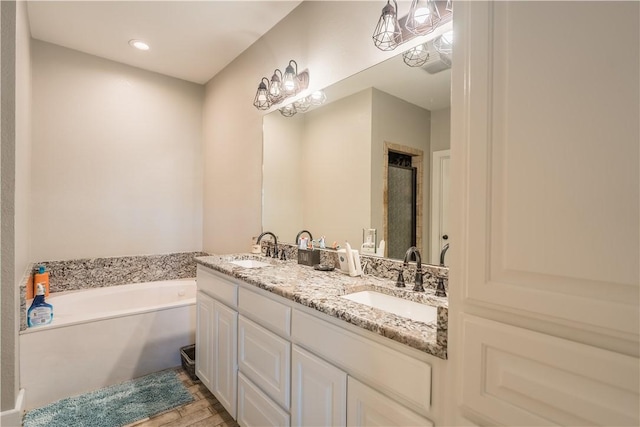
<point>139,44</point>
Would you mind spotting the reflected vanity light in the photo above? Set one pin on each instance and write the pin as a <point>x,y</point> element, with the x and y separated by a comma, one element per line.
<point>317,98</point>
<point>288,110</point>
<point>417,56</point>
<point>444,43</point>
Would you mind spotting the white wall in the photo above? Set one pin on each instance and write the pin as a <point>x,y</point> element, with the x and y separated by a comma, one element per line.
<point>332,40</point>
<point>116,161</point>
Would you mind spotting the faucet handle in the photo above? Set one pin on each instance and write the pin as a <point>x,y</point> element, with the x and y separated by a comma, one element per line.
<point>400,279</point>
<point>267,253</point>
<point>275,253</point>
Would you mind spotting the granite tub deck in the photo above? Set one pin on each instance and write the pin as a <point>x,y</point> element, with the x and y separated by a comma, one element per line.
<point>322,290</point>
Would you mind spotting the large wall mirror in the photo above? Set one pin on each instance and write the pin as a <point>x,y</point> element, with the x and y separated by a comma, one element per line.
<point>364,159</point>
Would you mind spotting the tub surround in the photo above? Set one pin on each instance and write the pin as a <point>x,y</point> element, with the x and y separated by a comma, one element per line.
<point>322,290</point>
<point>86,273</point>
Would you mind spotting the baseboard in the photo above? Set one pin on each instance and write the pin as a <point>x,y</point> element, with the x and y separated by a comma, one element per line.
<point>13,417</point>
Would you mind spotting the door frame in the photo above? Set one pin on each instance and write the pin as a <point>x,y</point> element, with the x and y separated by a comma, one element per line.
<point>417,161</point>
<point>437,184</point>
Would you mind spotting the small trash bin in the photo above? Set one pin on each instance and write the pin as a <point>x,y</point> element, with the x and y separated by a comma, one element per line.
<point>188,354</point>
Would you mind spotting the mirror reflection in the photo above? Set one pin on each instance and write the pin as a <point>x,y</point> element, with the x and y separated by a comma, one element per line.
<point>374,156</point>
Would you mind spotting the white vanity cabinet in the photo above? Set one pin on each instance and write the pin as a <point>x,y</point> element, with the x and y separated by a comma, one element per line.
<point>319,391</point>
<point>287,364</point>
<point>217,337</point>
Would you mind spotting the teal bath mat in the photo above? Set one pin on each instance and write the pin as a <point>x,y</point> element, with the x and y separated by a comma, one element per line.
<point>114,406</point>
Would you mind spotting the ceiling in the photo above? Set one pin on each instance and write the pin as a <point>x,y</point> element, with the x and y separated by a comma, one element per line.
<point>190,40</point>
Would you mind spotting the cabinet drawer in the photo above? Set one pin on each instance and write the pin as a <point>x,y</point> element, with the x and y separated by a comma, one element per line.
<point>256,409</point>
<point>265,311</point>
<point>391,371</point>
<point>216,286</point>
<point>265,359</point>
<point>367,407</point>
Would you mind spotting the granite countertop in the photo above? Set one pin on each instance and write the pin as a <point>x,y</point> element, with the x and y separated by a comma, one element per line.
<point>321,291</point>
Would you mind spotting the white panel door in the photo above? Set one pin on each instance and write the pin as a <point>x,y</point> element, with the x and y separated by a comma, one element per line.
<point>225,380</point>
<point>545,208</point>
<point>204,337</point>
<point>367,407</point>
<point>319,391</point>
<point>440,232</point>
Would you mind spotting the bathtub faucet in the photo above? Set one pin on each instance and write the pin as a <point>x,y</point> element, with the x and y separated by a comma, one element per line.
<point>414,252</point>
<point>275,244</point>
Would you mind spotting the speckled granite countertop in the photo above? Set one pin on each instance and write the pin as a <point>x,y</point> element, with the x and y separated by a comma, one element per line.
<point>322,290</point>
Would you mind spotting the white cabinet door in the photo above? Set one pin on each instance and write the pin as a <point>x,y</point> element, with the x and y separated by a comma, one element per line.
<point>204,337</point>
<point>319,391</point>
<point>225,380</point>
<point>265,359</point>
<point>544,280</point>
<point>367,407</point>
<point>255,409</point>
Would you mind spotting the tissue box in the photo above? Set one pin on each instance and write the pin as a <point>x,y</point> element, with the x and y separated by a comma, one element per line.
<point>307,257</point>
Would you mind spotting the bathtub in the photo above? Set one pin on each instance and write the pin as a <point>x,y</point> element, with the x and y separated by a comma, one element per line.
<point>103,336</point>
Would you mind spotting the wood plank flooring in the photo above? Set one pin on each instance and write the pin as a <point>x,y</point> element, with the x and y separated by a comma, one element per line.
<point>205,410</point>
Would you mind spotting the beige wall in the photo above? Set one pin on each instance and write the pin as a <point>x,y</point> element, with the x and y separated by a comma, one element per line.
<point>332,40</point>
<point>337,168</point>
<point>440,129</point>
<point>282,168</point>
<point>116,155</point>
<point>398,122</point>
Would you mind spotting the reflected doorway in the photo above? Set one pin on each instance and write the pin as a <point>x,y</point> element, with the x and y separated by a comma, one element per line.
<point>402,199</point>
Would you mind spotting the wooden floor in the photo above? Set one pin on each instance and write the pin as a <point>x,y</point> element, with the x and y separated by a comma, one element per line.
<point>204,411</point>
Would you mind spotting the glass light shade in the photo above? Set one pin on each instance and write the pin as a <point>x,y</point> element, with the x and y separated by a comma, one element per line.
<point>262,101</point>
<point>317,98</point>
<point>449,6</point>
<point>387,35</point>
<point>276,93</point>
<point>302,104</point>
<point>423,17</point>
<point>288,110</point>
<point>417,56</point>
<point>444,43</point>
<point>290,84</point>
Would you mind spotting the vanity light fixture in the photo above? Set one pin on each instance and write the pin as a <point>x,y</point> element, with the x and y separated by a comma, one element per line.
<point>423,17</point>
<point>262,101</point>
<point>138,44</point>
<point>281,86</point>
<point>388,35</point>
<point>449,6</point>
<point>417,56</point>
<point>444,43</point>
<point>290,83</point>
<point>276,93</point>
<point>288,110</point>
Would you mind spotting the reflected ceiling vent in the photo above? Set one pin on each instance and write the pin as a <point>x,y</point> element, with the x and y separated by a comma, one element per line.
<point>436,61</point>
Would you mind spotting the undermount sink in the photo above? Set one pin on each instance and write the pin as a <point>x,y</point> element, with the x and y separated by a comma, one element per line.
<point>401,307</point>
<point>249,263</point>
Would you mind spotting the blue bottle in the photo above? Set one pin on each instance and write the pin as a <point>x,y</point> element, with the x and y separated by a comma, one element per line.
<point>40,313</point>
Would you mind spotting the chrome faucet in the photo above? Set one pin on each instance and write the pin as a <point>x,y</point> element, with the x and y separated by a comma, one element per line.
<point>300,234</point>
<point>440,289</point>
<point>275,244</point>
<point>417,287</point>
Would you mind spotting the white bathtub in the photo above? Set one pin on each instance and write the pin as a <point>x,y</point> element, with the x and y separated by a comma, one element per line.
<point>104,336</point>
